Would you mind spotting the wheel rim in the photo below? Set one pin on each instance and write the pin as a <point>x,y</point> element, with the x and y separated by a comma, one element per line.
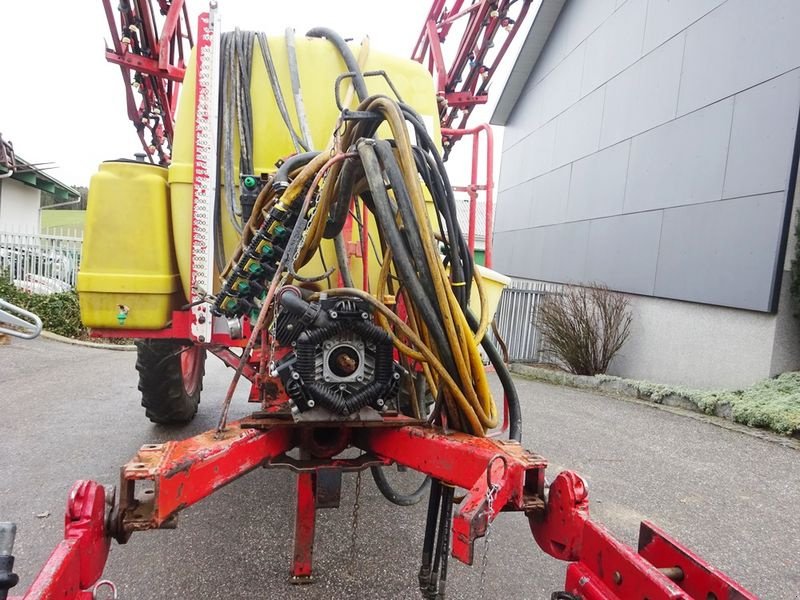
<point>191,368</point>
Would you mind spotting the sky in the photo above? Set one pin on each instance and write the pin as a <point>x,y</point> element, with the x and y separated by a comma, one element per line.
<point>61,101</point>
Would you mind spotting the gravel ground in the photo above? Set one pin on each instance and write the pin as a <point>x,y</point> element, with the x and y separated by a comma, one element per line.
<point>72,412</point>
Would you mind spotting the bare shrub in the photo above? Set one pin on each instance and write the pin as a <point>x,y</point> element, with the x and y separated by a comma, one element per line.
<point>585,326</point>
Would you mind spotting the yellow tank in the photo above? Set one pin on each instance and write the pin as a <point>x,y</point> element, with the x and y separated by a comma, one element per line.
<point>136,266</point>
<point>128,277</point>
<point>319,65</point>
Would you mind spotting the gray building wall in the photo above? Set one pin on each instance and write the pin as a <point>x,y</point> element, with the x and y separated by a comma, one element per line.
<point>651,148</point>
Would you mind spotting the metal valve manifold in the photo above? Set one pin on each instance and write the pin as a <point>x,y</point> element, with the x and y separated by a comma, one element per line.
<point>340,360</point>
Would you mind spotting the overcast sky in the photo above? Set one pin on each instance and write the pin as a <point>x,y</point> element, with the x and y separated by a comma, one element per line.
<point>61,101</point>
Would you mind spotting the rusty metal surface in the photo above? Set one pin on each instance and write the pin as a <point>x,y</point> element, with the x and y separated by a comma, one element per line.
<point>515,475</point>
<point>187,471</point>
<point>455,458</point>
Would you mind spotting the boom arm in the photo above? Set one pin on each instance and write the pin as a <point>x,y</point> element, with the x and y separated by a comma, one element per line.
<point>152,60</point>
<point>462,82</point>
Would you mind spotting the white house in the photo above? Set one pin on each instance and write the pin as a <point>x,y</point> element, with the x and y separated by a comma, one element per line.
<point>21,187</point>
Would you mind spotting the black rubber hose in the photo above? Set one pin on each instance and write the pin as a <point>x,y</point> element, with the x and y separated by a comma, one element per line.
<point>510,390</point>
<point>447,498</point>
<point>359,85</point>
<point>445,203</point>
<point>422,168</point>
<point>402,259</point>
<point>393,495</point>
<point>297,141</point>
<point>410,227</point>
<point>281,181</point>
<point>427,143</point>
<point>439,572</point>
<point>337,215</point>
<point>343,260</point>
<point>434,499</point>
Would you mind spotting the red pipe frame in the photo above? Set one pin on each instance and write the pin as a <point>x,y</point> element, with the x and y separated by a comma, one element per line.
<point>474,187</point>
<point>183,473</point>
<point>457,82</point>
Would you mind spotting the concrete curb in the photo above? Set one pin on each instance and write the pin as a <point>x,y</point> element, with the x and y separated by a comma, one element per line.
<point>622,388</point>
<point>65,340</point>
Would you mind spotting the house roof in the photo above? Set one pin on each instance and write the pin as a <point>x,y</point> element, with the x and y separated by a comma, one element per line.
<point>542,27</point>
<point>462,212</point>
<point>29,174</point>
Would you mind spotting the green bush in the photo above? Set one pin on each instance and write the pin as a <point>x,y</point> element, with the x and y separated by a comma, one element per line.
<point>59,312</point>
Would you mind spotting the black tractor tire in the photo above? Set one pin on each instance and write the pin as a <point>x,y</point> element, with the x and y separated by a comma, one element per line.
<point>170,379</point>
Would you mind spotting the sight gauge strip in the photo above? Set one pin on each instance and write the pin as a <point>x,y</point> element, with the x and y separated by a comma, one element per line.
<point>205,170</point>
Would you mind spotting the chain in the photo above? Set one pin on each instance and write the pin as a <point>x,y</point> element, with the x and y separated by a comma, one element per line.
<point>354,532</point>
<point>491,494</point>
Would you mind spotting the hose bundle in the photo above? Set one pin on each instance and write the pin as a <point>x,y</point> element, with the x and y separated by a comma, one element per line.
<point>426,270</point>
<point>432,284</point>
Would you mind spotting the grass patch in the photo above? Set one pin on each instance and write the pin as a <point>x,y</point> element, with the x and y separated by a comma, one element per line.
<point>771,403</point>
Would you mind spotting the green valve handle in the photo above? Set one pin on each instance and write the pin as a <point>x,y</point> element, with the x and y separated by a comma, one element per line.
<point>250,182</point>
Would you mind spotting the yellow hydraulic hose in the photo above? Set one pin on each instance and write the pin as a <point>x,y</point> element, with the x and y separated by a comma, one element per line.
<point>480,399</point>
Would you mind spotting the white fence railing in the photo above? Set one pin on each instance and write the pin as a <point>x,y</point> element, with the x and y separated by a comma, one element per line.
<point>40,263</point>
<point>516,318</point>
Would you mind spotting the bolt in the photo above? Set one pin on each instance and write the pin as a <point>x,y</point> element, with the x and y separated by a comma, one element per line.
<point>396,375</point>
<point>201,338</point>
<point>365,315</point>
<point>359,378</point>
<point>333,314</point>
<point>201,319</point>
<point>342,386</point>
<point>310,404</point>
<point>327,377</point>
<point>617,577</point>
<point>380,402</point>
<point>295,375</point>
<point>328,345</point>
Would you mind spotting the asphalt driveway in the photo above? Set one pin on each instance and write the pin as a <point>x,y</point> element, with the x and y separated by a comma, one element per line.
<point>70,412</point>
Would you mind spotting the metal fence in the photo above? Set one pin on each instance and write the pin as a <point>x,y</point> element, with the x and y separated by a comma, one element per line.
<point>40,263</point>
<point>516,320</point>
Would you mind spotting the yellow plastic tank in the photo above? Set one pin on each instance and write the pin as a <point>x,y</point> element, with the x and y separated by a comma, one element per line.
<point>128,277</point>
<point>319,65</point>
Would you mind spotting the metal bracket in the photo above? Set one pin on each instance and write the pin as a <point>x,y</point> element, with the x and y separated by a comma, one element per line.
<point>26,324</point>
<point>350,75</point>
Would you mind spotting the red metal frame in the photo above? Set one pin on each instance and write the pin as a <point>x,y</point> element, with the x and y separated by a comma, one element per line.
<point>179,328</point>
<point>474,187</point>
<point>163,479</point>
<point>463,83</point>
<point>152,62</point>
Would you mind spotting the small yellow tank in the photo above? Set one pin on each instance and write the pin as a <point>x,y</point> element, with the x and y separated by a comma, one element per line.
<point>128,277</point>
